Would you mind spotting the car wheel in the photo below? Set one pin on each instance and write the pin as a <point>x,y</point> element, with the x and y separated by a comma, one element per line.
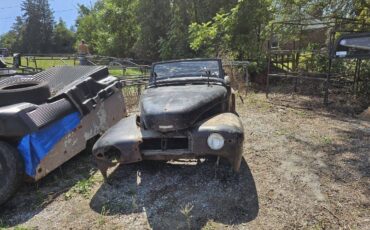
<point>11,171</point>
<point>24,90</point>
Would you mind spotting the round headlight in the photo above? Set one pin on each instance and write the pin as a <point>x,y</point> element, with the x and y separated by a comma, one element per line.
<point>216,141</point>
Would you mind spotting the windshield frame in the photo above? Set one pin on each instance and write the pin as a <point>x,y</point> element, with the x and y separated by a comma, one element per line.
<point>153,77</point>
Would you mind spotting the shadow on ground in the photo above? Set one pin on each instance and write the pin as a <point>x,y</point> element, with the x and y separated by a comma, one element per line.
<point>346,162</point>
<point>33,198</point>
<point>340,101</point>
<point>180,196</point>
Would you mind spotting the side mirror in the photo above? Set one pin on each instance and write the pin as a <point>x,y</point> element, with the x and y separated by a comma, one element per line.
<point>353,46</point>
<point>227,80</point>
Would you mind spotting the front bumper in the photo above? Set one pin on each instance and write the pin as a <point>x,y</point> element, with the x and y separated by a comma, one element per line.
<point>128,142</point>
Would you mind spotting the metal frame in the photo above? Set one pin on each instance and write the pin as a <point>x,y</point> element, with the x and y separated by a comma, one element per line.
<point>337,25</point>
<point>113,63</point>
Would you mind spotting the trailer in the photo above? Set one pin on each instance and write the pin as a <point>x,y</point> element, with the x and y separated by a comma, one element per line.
<point>48,118</point>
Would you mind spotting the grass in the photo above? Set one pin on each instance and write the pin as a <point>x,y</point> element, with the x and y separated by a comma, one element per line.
<point>134,204</point>
<point>83,187</point>
<point>101,219</point>
<point>211,225</point>
<point>326,140</point>
<point>186,211</point>
<point>48,62</point>
<point>45,63</point>
<point>21,228</point>
<point>257,102</point>
<point>127,72</point>
<point>3,225</point>
<point>301,113</point>
<point>282,132</point>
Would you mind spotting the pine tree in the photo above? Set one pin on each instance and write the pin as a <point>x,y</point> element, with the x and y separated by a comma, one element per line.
<point>153,17</point>
<point>39,22</point>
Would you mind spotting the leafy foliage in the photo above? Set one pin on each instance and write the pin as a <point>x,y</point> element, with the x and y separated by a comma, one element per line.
<point>239,32</point>
<point>36,31</point>
<point>63,38</point>
<point>110,27</point>
<point>152,17</point>
<point>169,29</point>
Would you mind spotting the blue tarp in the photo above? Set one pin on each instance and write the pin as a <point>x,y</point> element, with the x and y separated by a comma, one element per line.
<point>35,147</point>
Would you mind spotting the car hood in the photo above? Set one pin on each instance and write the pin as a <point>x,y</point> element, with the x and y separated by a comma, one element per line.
<point>173,108</point>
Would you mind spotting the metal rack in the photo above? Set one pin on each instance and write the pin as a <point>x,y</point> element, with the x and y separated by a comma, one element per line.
<point>285,63</point>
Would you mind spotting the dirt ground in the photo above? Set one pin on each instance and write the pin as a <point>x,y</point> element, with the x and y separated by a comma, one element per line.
<point>305,167</point>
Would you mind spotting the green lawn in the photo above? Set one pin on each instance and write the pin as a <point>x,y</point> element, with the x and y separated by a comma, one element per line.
<point>127,72</point>
<point>44,63</point>
<point>47,62</point>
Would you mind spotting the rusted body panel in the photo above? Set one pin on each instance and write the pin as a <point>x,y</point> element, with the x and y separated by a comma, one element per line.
<point>179,107</point>
<point>127,142</point>
<point>119,144</point>
<point>231,128</point>
<point>104,116</point>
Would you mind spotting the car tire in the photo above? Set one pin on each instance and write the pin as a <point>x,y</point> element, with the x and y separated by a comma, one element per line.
<point>24,90</point>
<point>11,171</point>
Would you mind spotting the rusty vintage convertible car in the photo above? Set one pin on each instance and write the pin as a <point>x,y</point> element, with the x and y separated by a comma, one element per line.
<point>187,111</point>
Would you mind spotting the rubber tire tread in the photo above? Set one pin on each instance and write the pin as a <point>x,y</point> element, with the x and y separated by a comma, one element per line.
<point>38,93</point>
<point>12,162</point>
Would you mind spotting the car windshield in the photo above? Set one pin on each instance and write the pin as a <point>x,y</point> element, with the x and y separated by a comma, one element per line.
<point>196,68</point>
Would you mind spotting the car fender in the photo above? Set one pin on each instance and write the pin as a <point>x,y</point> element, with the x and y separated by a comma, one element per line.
<point>230,127</point>
<point>120,144</point>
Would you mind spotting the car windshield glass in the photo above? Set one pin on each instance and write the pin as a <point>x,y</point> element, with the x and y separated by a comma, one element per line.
<point>187,69</point>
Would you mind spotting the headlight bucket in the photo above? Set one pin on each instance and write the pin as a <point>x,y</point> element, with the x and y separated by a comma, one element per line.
<point>216,141</point>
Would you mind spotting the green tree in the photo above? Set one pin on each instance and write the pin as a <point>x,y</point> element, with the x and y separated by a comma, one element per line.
<point>38,26</point>
<point>184,13</point>
<point>110,27</point>
<point>170,29</point>
<point>176,45</point>
<point>13,39</point>
<point>87,25</point>
<point>8,40</point>
<point>118,29</point>
<point>153,18</point>
<point>247,39</point>
<point>231,34</point>
<point>211,38</point>
<point>63,38</point>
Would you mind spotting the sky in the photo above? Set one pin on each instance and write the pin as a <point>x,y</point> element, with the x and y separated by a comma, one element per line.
<point>65,9</point>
